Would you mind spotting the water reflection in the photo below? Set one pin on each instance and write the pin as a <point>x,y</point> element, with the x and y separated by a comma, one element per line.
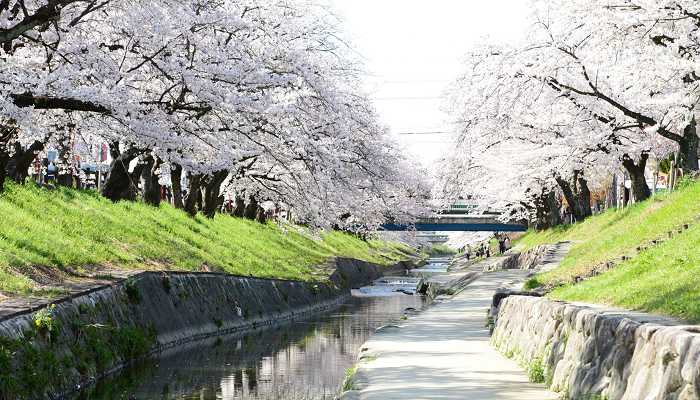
<point>305,358</point>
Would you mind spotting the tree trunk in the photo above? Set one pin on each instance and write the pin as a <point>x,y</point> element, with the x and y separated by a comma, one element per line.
<point>64,160</point>
<point>552,208</point>
<point>220,203</point>
<point>77,182</point>
<point>212,187</point>
<point>239,208</point>
<point>251,209</point>
<point>638,185</point>
<point>584,193</point>
<point>7,135</point>
<point>151,188</point>
<point>576,204</point>
<point>544,212</point>
<point>193,183</point>
<point>260,215</point>
<point>64,177</point>
<point>18,165</point>
<point>175,179</point>
<point>118,182</point>
<point>688,159</point>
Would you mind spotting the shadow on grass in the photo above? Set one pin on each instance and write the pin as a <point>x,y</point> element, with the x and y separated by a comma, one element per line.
<point>682,302</point>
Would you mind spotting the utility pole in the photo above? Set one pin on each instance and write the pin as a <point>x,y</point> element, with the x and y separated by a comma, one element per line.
<point>613,195</point>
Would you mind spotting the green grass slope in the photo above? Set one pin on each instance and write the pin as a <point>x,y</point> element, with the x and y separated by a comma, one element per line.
<point>663,278</point>
<point>65,227</point>
<point>439,250</point>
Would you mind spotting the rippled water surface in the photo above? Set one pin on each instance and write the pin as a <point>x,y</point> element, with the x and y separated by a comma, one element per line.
<point>304,358</point>
<point>436,266</point>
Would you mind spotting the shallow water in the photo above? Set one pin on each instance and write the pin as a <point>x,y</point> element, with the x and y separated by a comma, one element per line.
<point>304,358</point>
<point>435,266</point>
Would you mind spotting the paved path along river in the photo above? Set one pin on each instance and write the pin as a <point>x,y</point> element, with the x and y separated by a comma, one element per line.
<point>443,353</point>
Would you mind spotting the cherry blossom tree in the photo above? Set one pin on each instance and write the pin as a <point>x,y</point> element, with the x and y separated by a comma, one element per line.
<point>260,96</point>
<point>592,87</point>
<point>627,62</point>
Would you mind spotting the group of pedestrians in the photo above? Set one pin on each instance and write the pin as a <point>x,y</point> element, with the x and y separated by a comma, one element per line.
<point>484,249</point>
<point>503,244</point>
<point>481,251</point>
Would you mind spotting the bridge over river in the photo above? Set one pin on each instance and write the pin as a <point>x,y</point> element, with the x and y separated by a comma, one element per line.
<point>465,222</point>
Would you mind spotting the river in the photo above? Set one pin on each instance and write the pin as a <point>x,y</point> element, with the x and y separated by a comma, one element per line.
<point>303,358</point>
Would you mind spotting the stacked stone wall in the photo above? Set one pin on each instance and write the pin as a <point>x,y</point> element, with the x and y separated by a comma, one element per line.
<point>527,259</point>
<point>594,352</point>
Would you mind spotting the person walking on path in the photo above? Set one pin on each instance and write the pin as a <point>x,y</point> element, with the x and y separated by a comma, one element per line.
<point>488,249</point>
<point>501,246</point>
<point>507,243</point>
<point>468,251</point>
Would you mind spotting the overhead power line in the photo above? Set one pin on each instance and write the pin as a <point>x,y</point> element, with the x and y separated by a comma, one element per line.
<point>422,133</point>
<point>408,98</point>
<point>406,82</point>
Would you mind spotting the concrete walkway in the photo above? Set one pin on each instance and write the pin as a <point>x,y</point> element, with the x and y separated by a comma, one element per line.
<point>443,352</point>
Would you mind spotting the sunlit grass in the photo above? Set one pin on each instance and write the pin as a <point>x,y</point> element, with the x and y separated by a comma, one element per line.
<point>663,279</point>
<point>63,227</point>
<point>439,250</point>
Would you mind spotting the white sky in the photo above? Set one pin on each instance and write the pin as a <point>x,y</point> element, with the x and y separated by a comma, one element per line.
<point>413,49</point>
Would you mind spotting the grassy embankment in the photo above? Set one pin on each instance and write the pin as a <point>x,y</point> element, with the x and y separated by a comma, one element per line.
<point>662,279</point>
<point>439,250</point>
<point>65,227</point>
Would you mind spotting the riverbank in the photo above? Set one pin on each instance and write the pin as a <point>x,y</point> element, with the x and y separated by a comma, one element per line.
<point>548,348</point>
<point>643,257</point>
<point>276,361</point>
<point>52,239</point>
<point>77,339</point>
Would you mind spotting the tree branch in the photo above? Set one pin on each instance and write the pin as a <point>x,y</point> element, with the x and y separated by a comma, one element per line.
<point>48,103</point>
<point>43,15</point>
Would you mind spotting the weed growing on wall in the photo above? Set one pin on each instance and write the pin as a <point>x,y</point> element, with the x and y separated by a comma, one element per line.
<point>537,369</point>
<point>44,321</point>
<point>44,358</point>
<point>348,383</point>
<point>167,284</point>
<point>132,288</point>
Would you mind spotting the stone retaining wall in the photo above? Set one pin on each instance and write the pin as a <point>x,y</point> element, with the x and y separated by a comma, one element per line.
<point>527,259</point>
<point>168,308</point>
<point>601,353</point>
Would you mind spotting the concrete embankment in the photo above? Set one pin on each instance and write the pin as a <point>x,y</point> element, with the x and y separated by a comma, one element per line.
<point>88,335</point>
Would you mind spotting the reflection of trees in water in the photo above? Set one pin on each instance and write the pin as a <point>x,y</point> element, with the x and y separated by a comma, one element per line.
<point>301,358</point>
